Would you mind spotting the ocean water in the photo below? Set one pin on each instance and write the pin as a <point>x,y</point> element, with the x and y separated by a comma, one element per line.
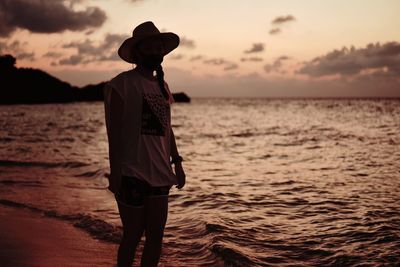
<point>269,182</point>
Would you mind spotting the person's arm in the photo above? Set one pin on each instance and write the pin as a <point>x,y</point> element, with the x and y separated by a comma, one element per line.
<point>115,137</point>
<point>174,149</point>
<point>179,172</point>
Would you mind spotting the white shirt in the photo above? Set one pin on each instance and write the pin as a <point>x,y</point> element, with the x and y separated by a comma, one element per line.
<point>146,128</point>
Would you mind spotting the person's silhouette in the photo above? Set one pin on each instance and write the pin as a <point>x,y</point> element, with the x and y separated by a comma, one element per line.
<point>142,143</point>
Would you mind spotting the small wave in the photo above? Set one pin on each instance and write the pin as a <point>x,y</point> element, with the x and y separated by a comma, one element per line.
<point>68,164</point>
<point>21,182</point>
<point>214,169</point>
<point>36,140</point>
<point>97,228</point>
<point>330,202</point>
<point>243,134</point>
<point>75,127</point>
<point>359,174</point>
<point>392,142</point>
<point>230,256</point>
<point>265,156</point>
<point>188,203</point>
<point>322,129</point>
<point>289,144</point>
<point>212,228</point>
<point>288,182</point>
<point>314,147</point>
<point>96,173</point>
<point>27,163</point>
<point>6,139</point>
<point>210,135</point>
<point>250,133</point>
<point>67,139</point>
<point>18,114</point>
<point>51,124</point>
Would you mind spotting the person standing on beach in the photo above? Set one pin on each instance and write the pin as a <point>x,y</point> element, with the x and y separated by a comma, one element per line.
<point>141,142</point>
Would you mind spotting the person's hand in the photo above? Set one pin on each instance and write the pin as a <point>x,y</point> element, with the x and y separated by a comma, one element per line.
<point>180,174</point>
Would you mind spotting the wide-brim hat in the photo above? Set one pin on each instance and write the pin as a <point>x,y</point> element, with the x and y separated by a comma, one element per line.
<point>147,30</point>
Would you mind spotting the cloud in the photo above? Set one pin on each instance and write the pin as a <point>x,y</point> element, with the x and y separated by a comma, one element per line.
<point>175,56</point>
<point>89,32</point>
<point>274,31</point>
<point>72,3</point>
<point>111,40</point>
<point>255,59</point>
<point>215,61</point>
<point>51,54</point>
<point>185,42</point>
<point>257,47</point>
<point>374,59</point>
<point>46,16</point>
<point>231,66</point>
<point>72,60</point>
<point>85,47</point>
<point>276,65</point>
<point>283,19</point>
<point>17,49</point>
<point>195,58</point>
<point>228,65</point>
<point>106,50</point>
<point>110,57</point>
<point>25,55</point>
<point>89,51</point>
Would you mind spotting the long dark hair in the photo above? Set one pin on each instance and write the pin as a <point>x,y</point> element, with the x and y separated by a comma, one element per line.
<point>160,79</point>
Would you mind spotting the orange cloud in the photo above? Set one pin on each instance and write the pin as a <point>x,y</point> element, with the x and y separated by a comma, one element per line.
<point>384,59</point>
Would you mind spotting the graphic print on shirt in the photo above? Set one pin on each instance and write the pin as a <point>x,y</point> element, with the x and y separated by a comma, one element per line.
<point>154,114</point>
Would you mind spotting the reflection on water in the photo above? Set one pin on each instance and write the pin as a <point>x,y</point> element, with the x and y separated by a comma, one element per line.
<point>269,182</point>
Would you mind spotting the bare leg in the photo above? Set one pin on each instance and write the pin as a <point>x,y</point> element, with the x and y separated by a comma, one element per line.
<point>156,210</point>
<point>133,226</point>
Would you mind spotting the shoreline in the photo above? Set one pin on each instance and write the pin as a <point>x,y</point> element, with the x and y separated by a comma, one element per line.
<point>31,239</point>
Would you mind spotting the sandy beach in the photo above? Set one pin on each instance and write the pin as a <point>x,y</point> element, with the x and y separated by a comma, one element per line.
<point>30,239</point>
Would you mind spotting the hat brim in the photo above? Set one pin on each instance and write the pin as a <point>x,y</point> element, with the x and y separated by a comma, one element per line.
<point>169,39</point>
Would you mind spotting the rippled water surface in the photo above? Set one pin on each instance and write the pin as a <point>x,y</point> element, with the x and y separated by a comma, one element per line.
<point>269,182</point>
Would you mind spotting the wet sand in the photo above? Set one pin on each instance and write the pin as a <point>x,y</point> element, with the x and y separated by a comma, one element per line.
<point>30,239</point>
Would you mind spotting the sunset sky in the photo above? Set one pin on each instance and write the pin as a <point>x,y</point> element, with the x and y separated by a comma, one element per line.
<point>255,48</point>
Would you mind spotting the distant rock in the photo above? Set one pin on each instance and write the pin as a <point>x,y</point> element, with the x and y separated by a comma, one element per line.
<point>181,97</point>
<point>30,86</point>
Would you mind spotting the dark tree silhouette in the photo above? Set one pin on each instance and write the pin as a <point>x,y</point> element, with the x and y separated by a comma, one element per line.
<point>30,86</point>
<point>7,62</point>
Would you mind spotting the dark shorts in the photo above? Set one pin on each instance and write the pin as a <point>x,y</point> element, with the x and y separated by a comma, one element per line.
<point>134,191</point>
